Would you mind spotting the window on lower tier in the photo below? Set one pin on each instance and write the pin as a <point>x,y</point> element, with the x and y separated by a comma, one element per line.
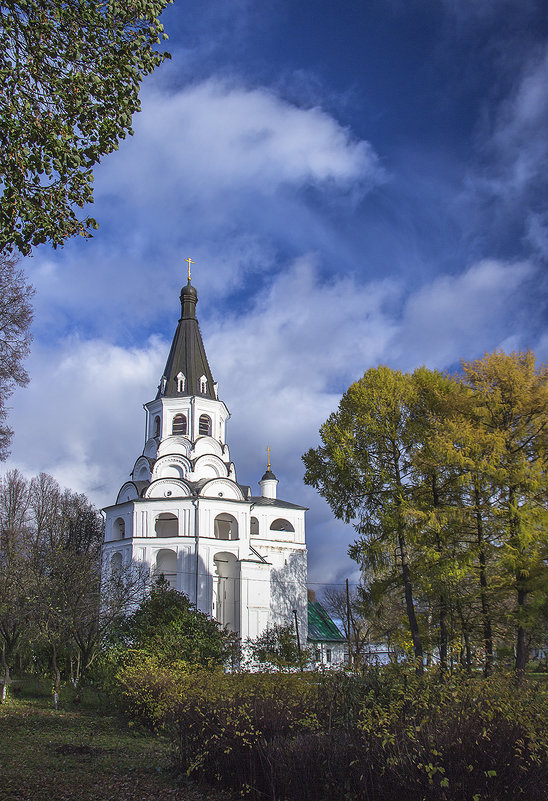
<point>204,425</point>
<point>328,655</point>
<point>179,424</point>
<point>166,566</point>
<point>254,527</point>
<point>318,655</point>
<point>116,562</point>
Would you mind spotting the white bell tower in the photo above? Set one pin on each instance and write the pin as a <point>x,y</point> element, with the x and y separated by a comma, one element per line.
<point>239,557</point>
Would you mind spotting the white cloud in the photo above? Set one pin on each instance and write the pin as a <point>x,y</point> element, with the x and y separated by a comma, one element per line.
<point>80,417</point>
<point>520,132</point>
<point>216,171</point>
<point>458,315</point>
<point>220,137</point>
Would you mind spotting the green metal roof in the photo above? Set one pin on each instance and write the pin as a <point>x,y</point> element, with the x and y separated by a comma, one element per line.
<point>320,626</point>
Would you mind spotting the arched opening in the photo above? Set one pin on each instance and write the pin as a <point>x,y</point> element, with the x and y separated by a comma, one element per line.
<point>254,529</point>
<point>179,424</point>
<point>204,425</point>
<point>225,527</point>
<point>226,608</point>
<point>166,566</point>
<point>166,525</point>
<point>116,562</point>
<point>143,473</point>
<point>203,385</point>
<point>157,426</point>
<point>281,525</point>
<point>119,529</point>
<point>181,382</point>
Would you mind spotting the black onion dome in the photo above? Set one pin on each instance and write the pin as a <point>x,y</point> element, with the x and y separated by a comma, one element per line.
<point>189,290</point>
<point>269,476</point>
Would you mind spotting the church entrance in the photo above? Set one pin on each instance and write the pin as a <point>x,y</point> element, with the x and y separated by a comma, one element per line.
<point>227,601</point>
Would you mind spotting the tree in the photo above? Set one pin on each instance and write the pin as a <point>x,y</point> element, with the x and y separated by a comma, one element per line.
<point>446,475</point>
<point>348,607</point>
<point>509,406</point>
<point>63,576</point>
<point>169,627</point>
<point>362,469</point>
<point>70,72</point>
<point>14,549</point>
<point>15,338</point>
<point>278,647</point>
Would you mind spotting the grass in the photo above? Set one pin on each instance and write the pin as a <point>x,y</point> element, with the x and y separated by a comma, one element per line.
<point>80,755</point>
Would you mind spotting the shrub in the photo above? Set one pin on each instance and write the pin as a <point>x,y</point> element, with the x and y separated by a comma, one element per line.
<point>376,737</point>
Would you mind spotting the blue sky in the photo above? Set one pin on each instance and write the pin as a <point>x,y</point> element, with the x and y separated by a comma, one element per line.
<point>357,182</point>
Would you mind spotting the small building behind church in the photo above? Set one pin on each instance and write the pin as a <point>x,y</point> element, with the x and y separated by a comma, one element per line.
<point>329,648</point>
<point>239,556</point>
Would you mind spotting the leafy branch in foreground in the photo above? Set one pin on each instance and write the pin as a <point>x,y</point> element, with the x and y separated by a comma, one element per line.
<point>70,73</point>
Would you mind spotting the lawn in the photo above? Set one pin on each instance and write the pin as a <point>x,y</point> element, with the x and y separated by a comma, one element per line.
<point>77,755</point>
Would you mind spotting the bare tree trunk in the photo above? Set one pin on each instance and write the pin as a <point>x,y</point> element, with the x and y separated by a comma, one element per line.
<point>410,606</point>
<point>6,668</point>
<point>406,575</point>
<point>57,677</point>
<point>485,611</point>
<point>444,637</point>
<point>521,640</point>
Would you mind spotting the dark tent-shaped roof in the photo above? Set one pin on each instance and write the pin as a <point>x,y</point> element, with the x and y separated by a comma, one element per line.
<point>187,355</point>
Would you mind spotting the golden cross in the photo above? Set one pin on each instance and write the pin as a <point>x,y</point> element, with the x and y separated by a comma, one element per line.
<point>189,263</point>
<point>268,458</point>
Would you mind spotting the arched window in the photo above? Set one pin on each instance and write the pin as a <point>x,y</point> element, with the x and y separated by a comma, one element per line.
<point>116,562</point>
<point>281,525</point>
<point>119,529</point>
<point>179,424</point>
<point>226,527</point>
<point>226,601</point>
<point>204,426</point>
<point>166,565</point>
<point>167,525</point>
<point>180,382</point>
<point>203,385</point>
<point>254,527</point>
<point>157,423</point>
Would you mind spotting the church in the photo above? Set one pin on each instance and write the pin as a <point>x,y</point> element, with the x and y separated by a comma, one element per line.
<point>239,556</point>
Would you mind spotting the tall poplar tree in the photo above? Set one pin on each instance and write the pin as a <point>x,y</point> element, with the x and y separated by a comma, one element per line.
<point>362,468</point>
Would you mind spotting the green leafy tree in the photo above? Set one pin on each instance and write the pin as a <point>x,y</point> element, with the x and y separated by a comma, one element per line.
<point>444,479</point>
<point>14,549</point>
<point>362,468</point>
<point>509,407</point>
<point>277,647</point>
<point>70,73</point>
<point>168,626</point>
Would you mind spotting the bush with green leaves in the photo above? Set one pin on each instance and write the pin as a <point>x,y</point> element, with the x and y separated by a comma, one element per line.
<point>343,737</point>
<point>168,627</point>
<point>278,648</point>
